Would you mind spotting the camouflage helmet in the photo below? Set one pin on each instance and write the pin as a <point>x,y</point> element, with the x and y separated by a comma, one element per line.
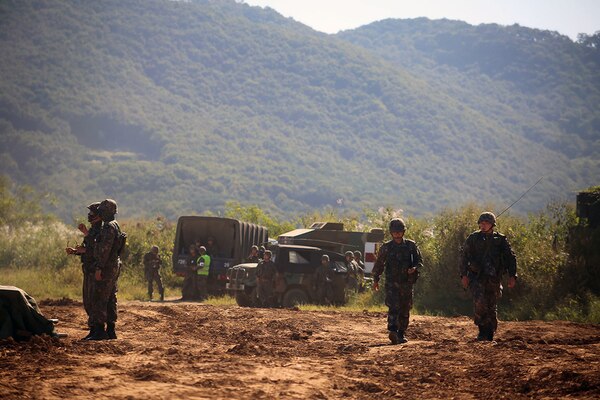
<point>324,257</point>
<point>349,254</point>
<point>268,253</point>
<point>94,207</point>
<point>487,216</point>
<point>397,225</point>
<point>154,248</point>
<point>109,206</point>
<point>357,254</point>
<point>254,247</point>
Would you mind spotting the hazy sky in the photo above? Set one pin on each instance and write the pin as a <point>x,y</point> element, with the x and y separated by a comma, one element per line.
<point>568,17</point>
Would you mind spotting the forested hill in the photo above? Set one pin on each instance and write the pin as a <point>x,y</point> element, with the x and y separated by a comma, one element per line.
<point>176,107</point>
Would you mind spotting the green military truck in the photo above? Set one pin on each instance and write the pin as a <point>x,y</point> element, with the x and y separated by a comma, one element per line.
<point>297,255</point>
<point>233,240</point>
<point>296,264</point>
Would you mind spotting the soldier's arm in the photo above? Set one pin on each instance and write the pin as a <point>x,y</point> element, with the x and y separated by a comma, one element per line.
<point>464,258</point>
<point>510,258</point>
<point>379,263</point>
<point>418,258</point>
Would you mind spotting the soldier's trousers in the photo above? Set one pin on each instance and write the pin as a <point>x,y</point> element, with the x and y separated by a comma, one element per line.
<point>202,285</point>
<point>265,291</point>
<point>88,294</point>
<point>399,299</point>
<point>151,277</point>
<point>486,292</point>
<point>104,305</point>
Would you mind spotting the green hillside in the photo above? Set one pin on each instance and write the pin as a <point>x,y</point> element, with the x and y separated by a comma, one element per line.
<point>177,107</point>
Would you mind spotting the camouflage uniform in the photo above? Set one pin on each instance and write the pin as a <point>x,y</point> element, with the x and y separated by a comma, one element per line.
<point>361,270</point>
<point>190,281</point>
<point>265,281</point>
<point>485,257</point>
<point>88,267</point>
<point>322,284</point>
<point>107,247</point>
<point>396,259</point>
<point>152,263</point>
<point>353,274</point>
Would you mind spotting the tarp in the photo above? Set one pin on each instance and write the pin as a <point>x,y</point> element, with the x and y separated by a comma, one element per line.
<point>20,316</point>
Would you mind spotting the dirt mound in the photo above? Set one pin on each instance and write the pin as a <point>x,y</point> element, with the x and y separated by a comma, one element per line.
<point>183,350</point>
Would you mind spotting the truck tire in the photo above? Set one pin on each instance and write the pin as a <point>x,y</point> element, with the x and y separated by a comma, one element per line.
<point>244,299</point>
<point>293,297</point>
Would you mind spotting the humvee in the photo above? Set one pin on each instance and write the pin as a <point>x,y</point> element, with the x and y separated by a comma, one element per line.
<point>234,239</point>
<point>297,264</point>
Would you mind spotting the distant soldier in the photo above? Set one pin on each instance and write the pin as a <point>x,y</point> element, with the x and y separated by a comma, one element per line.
<point>486,256</point>
<point>109,244</point>
<point>212,248</point>
<point>322,281</point>
<point>401,260</point>
<point>265,280</point>
<point>190,280</point>
<point>203,265</point>
<point>253,256</point>
<point>152,264</point>
<point>261,252</point>
<point>361,270</point>
<point>353,273</point>
<point>86,251</point>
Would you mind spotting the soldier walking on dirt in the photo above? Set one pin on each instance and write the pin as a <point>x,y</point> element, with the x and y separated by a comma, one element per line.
<point>152,264</point>
<point>486,256</point>
<point>322,282</point>
<point>86,251</point>
<point>265,279</point>
<point>401,260</point>
<point>109,244</point>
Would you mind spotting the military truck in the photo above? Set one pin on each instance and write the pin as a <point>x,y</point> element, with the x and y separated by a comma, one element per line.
<point>233,238</point>
<point>297,265</point>
<point>332,236</point>
<point>297,255</point>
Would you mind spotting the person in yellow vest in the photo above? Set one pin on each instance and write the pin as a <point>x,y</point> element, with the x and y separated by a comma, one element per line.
<point>203,265</point>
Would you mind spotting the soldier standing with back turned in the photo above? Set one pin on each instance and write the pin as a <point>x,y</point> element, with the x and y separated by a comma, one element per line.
<point>486,256</point>
<point>401,260</point>
<point>106,253</point>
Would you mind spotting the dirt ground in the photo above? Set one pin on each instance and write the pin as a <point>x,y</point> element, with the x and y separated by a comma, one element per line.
<point>195,351</point>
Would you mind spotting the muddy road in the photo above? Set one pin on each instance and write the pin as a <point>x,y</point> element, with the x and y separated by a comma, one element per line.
<point>190,350</point>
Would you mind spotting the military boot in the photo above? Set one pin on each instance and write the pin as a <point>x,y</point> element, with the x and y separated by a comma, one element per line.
<point>401,338</point>
<point>482,334</point>
<point>98,333</point>
<point>490,335</point>
<point>90,333</point>
<point>110,331</point>
<point>162,296</point>
<point>394,337</point>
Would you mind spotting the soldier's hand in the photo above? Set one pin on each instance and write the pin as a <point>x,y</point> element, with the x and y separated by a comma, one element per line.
<point>465,281</point>
<point>512,281</point>
<point>83,229</point>
<point>98,275</point>
<point>70,250</point>
<point>376,286</point>
<point>411,270</point>
<point>79,250</point>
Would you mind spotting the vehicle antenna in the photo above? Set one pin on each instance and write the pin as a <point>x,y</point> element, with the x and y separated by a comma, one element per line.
<point>523,195</point>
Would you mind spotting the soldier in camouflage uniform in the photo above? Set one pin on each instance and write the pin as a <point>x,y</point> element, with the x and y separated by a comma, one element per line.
<point>353,274</point>
<point>401,260</point>
<point>152,263</point>
<point>86,251</point>
<point>253,256</point>
<point>106,253</point>
<point>486,256</point>
<point>361,270</point>
<point>265,280</point>
<point>322,281</point>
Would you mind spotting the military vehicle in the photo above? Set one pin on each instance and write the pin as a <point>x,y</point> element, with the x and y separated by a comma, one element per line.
<point>297,255</point>
<point>296,264</point>
<point>233,239</point>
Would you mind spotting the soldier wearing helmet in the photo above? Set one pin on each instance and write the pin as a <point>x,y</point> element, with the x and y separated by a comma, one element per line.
<point>486,256</point>
<point>86,251</point>
<point>152,264</point>
<point>253,256</point>
<point>401,260</point>
<point>353,273</point>
<point>322,281</point>
<point>265,280</point>
<point>361,270</point>
<point>203,265</point>
<point>107,249</point>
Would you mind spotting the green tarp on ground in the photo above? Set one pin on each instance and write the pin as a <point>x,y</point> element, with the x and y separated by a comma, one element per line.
<point>20,316</point>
